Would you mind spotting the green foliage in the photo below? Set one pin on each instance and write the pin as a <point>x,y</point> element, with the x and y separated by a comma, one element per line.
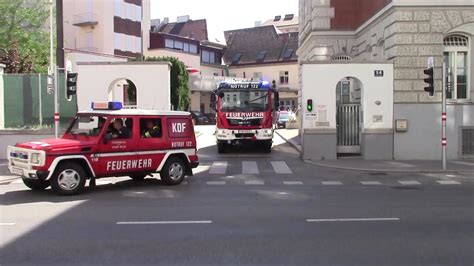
<point>179,82</point>
<point>24,35</point>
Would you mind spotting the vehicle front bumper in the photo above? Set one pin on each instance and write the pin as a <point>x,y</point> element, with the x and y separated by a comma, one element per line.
<point>23,167</point>
<point>244,134</point>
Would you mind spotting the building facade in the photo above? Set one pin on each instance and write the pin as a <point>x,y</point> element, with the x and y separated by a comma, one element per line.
<point>406,34</point>
<point>188,41</point>
<point>265,53</point>
<point>117,28</point>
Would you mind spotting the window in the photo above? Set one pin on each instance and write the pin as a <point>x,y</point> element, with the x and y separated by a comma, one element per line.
<point>236,58</point>
<point>150,128</point>
<point>117,41</point>
<point>178,45</point>
<point>284,77</point>
<point>257,76</point>
<point>186,47</point>
<point>261,56</point>
<point>193,48</point>
<point>130,43</point>
<point>138,45</point>
<point>456,57</point>
<point>169,43</point>
<point>288,54</point>
<point>119,8</point>
<point>121,128</point>
<point>208,57</point>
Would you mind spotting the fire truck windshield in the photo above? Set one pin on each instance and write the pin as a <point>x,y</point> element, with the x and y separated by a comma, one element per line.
<point>238,101</point>
<point>86,125</point>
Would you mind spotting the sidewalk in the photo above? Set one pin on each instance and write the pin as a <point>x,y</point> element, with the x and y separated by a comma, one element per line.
<point>358,164</point>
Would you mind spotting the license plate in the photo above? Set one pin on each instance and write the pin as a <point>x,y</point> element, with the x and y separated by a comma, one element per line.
<point>246,131</point>
<point>17,171</point>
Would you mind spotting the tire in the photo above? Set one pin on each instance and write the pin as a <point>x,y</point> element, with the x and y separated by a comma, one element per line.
<point>173,171</point>
<point>68,179</point>
<point>138,177</point>
<point>267,146</point>
<point>221,148</point>
<point>35,184</point>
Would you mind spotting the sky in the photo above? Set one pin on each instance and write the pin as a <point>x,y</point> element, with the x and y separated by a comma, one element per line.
<point>222,15</point>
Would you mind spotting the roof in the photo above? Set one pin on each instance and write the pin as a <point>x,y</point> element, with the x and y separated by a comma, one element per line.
<point>135,112</point>
<point>194,29</point>
<point>260,45</point>
<point>282,22</point>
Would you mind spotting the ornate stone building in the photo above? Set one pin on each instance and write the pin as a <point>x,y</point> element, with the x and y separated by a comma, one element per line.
<point>405,33</point>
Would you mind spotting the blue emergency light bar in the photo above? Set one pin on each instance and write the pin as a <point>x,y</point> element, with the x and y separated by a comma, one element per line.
<point>262,85</point>
<point>113,106</point>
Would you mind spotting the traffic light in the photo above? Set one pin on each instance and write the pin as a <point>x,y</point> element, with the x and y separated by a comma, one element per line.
<point>309,105</point>
<point>429,80</point>
<point>71,82</point>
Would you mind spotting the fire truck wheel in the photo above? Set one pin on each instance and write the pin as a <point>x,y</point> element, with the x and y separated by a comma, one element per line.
<point>36,185</point>
<point>221,147</point>
<point>173,171</point>
<point>267,147</point>
<point>68,179</point>
<point>138,177</point>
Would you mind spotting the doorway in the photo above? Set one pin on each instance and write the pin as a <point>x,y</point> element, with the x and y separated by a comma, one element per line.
<point>348,116</point>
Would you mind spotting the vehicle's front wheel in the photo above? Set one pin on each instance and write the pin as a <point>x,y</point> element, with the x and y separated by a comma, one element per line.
<point>221,147</point>
<point>68,179</point>
<point>173,171</point>
<point>266,146</point>
<point>35,184</point>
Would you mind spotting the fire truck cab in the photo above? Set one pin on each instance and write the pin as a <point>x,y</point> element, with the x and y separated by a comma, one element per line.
<point>245,114</point>
<point>108,141</point>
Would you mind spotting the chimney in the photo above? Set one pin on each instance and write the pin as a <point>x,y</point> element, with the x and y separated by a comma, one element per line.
<point>182,19</point>
<point>166,21</point>
<point>258,23</point>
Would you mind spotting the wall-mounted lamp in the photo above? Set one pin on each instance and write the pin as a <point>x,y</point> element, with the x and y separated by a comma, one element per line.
<point>378,102</point>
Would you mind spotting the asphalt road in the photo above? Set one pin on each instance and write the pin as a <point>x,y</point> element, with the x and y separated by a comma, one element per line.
<point>245,208</point>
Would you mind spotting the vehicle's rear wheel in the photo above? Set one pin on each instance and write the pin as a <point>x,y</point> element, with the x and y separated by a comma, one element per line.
<point>35,184</point>
<point>138,177</point>
<point>173,171</point>
<point>68,179</point>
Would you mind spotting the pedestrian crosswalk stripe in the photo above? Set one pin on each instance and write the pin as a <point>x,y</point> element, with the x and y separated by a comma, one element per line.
<point>331,183</point>
<point>216,182</point>
<point>218,168</point>
<point>448,182</point>
<point>280,167</point>
<point>249,167</point>
<point>254,182</point>
<point>409,183</point>
<point>292,183</point>
<point>370,183</point>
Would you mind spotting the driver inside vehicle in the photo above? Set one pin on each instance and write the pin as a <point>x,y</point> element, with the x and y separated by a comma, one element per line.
<point>121,132</point>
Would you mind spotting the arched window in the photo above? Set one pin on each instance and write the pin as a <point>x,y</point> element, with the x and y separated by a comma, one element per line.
<point>456,57</point>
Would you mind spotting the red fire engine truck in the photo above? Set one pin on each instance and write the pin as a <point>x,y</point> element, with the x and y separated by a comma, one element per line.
<point>245,114</point>
<point>105,142</point>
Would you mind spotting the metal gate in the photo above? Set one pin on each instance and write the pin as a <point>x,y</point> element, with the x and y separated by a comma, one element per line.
<point>348,128</point>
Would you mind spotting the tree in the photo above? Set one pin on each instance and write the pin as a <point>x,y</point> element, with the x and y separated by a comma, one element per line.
<point>24,35</point>
<point>179,82</point>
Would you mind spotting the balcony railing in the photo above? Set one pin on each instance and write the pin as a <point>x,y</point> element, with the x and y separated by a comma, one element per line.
<point>85,19</point>
<point>208,83</point>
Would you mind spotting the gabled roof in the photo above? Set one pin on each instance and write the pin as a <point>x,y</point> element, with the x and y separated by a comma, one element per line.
<point>195,29</point>
<point>252,42</point>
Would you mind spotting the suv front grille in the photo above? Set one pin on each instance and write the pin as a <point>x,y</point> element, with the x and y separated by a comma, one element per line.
<point>245,122</point>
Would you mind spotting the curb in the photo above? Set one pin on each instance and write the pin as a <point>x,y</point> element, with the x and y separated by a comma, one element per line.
<point>385,170</point>
<point>291,142</point>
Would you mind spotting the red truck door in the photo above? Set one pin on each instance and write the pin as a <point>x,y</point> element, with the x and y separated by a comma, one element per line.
<point>152,145</point>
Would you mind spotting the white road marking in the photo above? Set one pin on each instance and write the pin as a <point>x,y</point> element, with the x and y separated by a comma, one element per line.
<point>409,182</point>
<point>218,168</point>
<point>331,183</point>
<point>254,182</point>
<point>280,167</point>
<point>3,164</point>
<point>162,222</point>
<point>249,167</point>
<point>370,183</point>
<point>292,183</point>
<point>7,224</point>
<point>464,163</point>
<point>352,220</point>
<point>216,182</point>
<point>448,182</point>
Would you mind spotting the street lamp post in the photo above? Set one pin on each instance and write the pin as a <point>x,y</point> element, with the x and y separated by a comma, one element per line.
<point>53,70</point>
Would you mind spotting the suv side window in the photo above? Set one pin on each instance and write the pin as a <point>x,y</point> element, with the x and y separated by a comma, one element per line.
<point>121,128</point>
<point>150,128</point>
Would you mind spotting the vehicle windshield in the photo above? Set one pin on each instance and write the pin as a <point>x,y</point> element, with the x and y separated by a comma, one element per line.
<point>87,125</point>
<point>283,116</point>
<point>253,101</point>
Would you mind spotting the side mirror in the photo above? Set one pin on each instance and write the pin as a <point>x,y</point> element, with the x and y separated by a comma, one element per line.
<point>276,101</point>
<point>107,138</point>
<point>221,94</point>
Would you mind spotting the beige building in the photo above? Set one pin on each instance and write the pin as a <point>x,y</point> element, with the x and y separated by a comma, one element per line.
<point>285,24</point>
<point>106,29</point>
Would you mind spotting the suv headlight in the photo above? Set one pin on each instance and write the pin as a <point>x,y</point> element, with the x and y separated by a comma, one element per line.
<point>35,158</point>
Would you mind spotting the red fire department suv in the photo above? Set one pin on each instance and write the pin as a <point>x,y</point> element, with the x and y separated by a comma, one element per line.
<point>106,142</point>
